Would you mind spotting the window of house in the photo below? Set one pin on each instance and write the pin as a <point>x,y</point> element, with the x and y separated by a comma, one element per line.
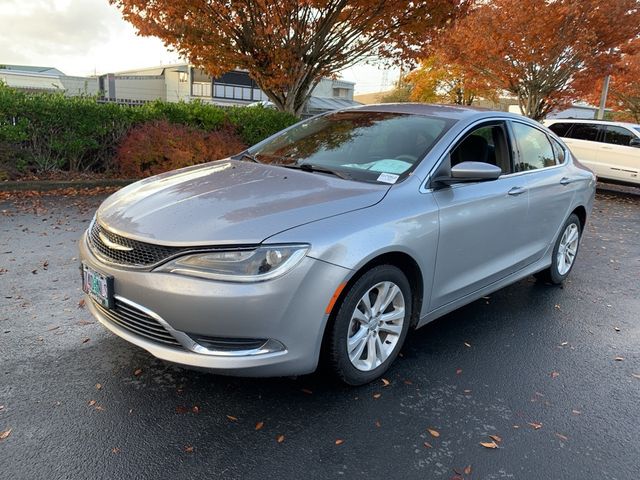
<point>618,135</point>
<point>534,148</point>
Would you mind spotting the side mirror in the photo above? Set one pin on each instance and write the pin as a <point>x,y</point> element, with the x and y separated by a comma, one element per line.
<point>474,172</point>
<point>635,142</point>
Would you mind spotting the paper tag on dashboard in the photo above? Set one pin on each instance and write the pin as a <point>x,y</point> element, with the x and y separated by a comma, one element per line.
<point>388,178</point>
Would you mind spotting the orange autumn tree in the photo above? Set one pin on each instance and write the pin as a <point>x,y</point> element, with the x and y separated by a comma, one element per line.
<point>287,46</point>
<point>542,51</point>
<point>439,81</point>
<point>624,85</point>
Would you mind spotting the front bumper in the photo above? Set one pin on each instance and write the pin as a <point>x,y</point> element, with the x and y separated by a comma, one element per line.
<point>289,312</point>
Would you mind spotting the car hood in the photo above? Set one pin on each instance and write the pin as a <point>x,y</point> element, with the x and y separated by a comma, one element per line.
<point>230,202</point>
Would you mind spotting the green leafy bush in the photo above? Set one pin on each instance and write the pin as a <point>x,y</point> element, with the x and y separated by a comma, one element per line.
<point>54,132</point>
<point>158,146</point>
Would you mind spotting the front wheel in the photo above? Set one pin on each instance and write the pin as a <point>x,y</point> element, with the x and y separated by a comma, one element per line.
<point>564,252</point>
<point>370,325</point>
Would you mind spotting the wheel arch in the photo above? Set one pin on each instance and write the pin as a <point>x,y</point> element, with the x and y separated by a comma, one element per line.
<point>581,213</point>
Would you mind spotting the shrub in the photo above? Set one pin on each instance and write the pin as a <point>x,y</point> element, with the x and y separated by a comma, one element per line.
<point>158,146</point>
<point>54,132</point>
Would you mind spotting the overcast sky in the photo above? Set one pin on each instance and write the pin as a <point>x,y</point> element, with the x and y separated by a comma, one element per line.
<point>83,37</point>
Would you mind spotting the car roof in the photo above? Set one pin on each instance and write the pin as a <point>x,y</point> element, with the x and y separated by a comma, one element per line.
<point>587,120</point>
<point>456,112</point>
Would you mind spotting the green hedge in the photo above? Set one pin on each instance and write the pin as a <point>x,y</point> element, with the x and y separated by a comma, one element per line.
<point>44,132</point>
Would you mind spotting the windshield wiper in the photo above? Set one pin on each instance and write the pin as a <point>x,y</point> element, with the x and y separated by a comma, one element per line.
<point>308,167</point>
<point>246,155</point>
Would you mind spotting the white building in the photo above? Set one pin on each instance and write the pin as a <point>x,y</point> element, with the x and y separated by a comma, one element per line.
<point>46,79</point>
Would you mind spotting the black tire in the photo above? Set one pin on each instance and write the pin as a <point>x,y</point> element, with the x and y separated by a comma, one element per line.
<point>337,356</point>
<point>552,274</point>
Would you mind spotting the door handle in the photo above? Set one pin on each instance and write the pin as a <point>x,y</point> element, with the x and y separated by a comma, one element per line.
<point>565,181</point>
<point>517,191</point>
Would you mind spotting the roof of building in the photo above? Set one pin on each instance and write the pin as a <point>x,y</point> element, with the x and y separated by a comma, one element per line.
<point>330,103</point>
<point>31,69</point>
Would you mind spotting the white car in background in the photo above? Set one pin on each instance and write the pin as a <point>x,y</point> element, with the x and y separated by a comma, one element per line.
<point>610,149</point>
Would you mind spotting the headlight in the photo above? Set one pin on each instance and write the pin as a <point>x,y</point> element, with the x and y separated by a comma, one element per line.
<point>263,263</point>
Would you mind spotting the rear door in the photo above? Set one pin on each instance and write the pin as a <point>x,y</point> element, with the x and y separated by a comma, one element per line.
<point>584,141</point>
<point>541,163</point>
<point>483,225</point>
<point>620,160</point>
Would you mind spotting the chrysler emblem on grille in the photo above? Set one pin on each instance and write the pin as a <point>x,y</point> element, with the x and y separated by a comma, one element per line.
<point>113,245</point>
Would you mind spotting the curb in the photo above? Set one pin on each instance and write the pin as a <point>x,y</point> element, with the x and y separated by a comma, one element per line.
<point>43,185</point>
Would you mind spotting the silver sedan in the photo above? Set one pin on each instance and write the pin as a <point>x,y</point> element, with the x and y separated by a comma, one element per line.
<point>331,240</point>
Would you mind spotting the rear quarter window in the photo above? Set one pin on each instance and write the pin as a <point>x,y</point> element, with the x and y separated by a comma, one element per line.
<point>560,128</point>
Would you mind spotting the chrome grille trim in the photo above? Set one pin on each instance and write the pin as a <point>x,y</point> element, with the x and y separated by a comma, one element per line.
<point>133,253</point>
<point>137,321</point>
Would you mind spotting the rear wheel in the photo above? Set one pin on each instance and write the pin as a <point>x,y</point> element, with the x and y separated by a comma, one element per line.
<point>564,252</point>
<point>370,325</point>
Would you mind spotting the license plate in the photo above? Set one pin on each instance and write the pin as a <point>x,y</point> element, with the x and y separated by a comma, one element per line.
<point>98,286</point>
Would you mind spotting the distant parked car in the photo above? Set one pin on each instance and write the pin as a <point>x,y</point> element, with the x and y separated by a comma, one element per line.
<point>332,239</point>
<point>610,149</point>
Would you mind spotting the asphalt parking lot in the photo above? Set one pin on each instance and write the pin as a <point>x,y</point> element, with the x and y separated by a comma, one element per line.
<point>552,373</point>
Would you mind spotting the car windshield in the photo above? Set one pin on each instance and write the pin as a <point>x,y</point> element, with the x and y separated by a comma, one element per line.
<point>359,145</point>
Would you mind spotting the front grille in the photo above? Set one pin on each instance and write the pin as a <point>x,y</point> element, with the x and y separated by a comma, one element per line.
<point>141,254</point>
<point>138,322</point>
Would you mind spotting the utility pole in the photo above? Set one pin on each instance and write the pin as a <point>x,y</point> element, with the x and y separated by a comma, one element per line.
<point>603,97</point>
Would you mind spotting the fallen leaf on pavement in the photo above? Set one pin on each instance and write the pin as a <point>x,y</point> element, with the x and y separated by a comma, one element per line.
<point>434,433</point>
<point>555,374</point>
<point>489,444</point>
<point>536,426</point>
<point>115,450</point>
<point>137,372</point>
<point>85,340</point>
<point>377,395</point>
<point>408,382</point>
<point>81,303</point>
<point>280,438</point>
<point>466,344</point>
<point>195,409</point>
<point>458,371</point>
<point>636,375</point>
<point>307,391</point>
<point>82,323</point>
<point>92,403</point>
<point>385,382</point>
<point>5,434</point>
<point>45,265</point>
<point>188,448</point>
<point>619,359</point>
<point>617,329</point>
<point>561,437</point>
<point>564,344</point>
<point>576,412</point>
<point>377,423</point>
<point>339,441</point>
<point>427,445</point>
<point>495,438</point>
<point>259,425</point>
<point>467,470</point>
<point>232,418</point>
<point>98,386</point>
<point>51,329</point>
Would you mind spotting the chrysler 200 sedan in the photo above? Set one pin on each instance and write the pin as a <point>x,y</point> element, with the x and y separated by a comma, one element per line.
<point>331,240</point>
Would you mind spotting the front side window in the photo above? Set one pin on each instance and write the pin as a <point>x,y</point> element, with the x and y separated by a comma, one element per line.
<point>618,135</point>
<point>487,144</point>
<point>361,144</point>
<point>584,131</point>
<point>534,148</point>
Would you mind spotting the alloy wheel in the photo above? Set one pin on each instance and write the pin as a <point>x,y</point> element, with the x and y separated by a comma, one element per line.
<point>568,248</point>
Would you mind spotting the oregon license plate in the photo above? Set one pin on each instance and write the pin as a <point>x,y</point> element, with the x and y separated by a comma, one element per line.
<point>98,286</point>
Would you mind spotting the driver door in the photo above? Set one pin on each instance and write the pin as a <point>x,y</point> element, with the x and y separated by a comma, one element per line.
<point>483,225</point>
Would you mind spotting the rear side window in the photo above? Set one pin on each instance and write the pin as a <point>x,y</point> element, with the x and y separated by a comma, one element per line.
<point>534,148</point>
<point>558,151</point>
<point>618,135</point>
<point>560,129</point>
<point>584,131</point>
